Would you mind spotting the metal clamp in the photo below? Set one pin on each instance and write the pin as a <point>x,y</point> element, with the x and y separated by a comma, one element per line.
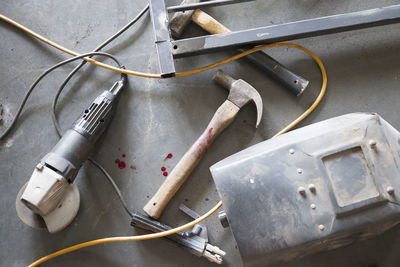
<point>194,240</point>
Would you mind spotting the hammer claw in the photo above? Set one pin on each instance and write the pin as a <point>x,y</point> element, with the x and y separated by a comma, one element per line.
<point>240,92</point>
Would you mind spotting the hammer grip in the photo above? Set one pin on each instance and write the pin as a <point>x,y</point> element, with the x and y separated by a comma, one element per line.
<point>293,82</point>
<point>221,119</point>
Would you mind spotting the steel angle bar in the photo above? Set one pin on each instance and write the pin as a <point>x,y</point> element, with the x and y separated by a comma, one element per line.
<point>288,31</point>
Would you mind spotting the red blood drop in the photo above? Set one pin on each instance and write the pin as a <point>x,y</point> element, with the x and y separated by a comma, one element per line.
<point>163,169</point>
<point>165,173</point>
<point>169,156</point>
<point>123,155</point>
<point>117,161</point>
<point>121,165</point>
<point>209,136</point>
<point>186,199</point>
<point>206,198</point>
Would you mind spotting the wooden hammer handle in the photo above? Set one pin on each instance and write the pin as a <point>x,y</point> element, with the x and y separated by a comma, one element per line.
<point>221,119</point>
<point>208,23</point>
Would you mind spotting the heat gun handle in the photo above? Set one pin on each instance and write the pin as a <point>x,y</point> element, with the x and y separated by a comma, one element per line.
<point>74,147</point>
<point>96,117</point>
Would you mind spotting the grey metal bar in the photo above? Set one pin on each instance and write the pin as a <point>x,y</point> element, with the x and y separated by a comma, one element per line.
<point>290,80</point>
<point>192,6</point>
<point>288,31</point>
<point>162,38</point>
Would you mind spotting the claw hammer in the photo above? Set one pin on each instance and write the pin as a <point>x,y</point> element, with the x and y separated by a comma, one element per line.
<point>290,80</point>
<point>240,93</point>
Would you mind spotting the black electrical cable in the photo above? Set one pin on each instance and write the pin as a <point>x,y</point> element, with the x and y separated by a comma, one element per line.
<point>28,93</point>
<point>72,73</point>
<point>114,185</point>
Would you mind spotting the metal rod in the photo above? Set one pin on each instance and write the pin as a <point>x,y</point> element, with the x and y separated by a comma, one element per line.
<point>162,38</point>
<point>192,6</point>
<point>288,31</point>
<point>290,80</point>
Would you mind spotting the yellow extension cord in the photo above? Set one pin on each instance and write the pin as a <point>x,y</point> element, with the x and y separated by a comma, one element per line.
<point>181,74</point>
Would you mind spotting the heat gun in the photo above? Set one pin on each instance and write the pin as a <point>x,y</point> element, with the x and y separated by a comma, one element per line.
<point>51,192</point>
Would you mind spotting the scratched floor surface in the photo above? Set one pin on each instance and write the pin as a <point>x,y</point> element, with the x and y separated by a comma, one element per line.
<point>158,117</point>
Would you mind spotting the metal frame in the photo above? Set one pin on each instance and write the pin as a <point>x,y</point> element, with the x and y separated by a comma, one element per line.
<point>169,49</point>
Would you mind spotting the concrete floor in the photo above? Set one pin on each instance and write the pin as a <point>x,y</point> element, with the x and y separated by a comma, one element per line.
<point>157,117</point>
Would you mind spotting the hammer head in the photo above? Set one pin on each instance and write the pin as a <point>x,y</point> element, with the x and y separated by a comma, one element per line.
<point>181,19</point>
<point>240,92</point>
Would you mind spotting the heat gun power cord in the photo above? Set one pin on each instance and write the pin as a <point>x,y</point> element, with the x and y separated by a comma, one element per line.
<point>28,93</point>
<point>72,73</point>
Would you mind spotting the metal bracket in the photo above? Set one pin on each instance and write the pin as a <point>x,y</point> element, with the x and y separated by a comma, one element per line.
<point>195,241</point>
